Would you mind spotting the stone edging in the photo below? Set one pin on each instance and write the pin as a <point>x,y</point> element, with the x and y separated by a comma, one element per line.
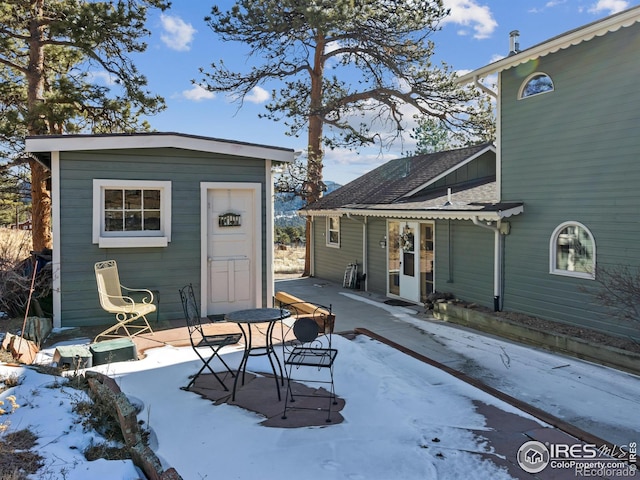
<point>143,457</point>
<point>555,342</point>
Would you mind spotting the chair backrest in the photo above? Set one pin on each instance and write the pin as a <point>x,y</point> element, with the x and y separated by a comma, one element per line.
<point>109,289</point>
<point>311,327</point>
<point>191,311</point>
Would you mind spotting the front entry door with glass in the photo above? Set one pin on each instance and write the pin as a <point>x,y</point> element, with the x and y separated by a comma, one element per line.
<point>410,259</point>
<point>409,262</point>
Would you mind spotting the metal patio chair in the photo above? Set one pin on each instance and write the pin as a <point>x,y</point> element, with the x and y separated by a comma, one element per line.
<point>307,350</point>
<point>126,309</point>
<point>200,341</point>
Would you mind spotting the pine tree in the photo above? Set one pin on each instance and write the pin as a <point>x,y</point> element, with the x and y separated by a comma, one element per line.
<point>50,51</point>
<point>347,65</point>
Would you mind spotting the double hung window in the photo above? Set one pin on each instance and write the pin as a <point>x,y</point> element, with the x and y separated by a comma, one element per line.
<point>333,231</point>
<point>131,213</point>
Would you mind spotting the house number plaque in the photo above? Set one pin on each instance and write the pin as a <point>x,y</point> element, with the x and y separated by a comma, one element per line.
<point>229,220</point>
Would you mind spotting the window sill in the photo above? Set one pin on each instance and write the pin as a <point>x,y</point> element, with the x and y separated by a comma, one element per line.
<point>132,242</point>
<point>568,273</point>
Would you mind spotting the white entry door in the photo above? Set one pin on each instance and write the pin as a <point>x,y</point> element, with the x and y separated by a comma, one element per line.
<point>231,249</point>
<point>409,261</point>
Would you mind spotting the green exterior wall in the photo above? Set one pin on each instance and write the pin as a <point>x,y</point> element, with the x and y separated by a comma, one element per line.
<point>331,262</point>
<point>162,269</point>
<point>482,167</point>
<point>464,261</point>
<point>377,256</point>
<point>572,155</point>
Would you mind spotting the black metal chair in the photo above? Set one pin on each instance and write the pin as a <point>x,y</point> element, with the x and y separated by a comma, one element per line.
<point>307,349</point>
<point>202,342</point>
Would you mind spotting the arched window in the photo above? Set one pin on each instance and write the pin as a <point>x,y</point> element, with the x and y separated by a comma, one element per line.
<point>536,84</point>
<point>572,251</point>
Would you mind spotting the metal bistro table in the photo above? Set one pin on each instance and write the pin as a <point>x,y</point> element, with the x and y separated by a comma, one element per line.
<point>245,319</point>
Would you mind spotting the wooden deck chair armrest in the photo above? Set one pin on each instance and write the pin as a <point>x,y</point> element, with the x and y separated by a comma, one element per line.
<point>146,299</point>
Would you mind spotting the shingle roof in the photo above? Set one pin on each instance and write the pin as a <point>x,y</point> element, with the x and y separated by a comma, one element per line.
<point>389,182</point>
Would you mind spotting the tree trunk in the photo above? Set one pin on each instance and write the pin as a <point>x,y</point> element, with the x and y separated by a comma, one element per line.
<point>40,207</point>
<point>40,196</point>
<point>313,190</point>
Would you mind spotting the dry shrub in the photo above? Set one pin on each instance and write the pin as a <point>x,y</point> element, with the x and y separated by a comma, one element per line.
<point>288,259</point>
<point>16,272</point>
<point>98,415</point>
<point>10,381</point>
<point>16,458</point>
<point>15,245</point>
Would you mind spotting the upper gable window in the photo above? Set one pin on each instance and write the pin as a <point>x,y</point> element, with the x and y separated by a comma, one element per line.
<point>572,251</point>
<point>536,84</point>
<point>333,231</point>
<point>131,213</point>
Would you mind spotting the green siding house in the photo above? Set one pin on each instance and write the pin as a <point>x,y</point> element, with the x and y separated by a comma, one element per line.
<point>568,148</point>
<point>171,209</point>
<point>417,225</point>
<point>525,226</point>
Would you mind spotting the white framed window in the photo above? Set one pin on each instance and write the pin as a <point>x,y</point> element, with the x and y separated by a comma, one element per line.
<point>572,251</point>
<point>131,213</point>
<point>536,84</point>
<point>333,231</point>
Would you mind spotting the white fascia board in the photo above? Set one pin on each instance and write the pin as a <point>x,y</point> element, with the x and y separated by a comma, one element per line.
<point>451,170</point>
<point>69,143</point>
<point>561,42</point>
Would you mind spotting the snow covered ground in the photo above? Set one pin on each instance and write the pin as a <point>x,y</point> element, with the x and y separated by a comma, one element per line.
<point>395,407</point>
<point>403,419</point>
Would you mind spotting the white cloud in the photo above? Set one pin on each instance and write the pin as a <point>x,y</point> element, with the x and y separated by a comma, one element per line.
<point>549,4</point>
<point>104,76</point>
<point>555,3</point>
<point>469,14</point>
<point>177,34</point>
<point>197,94</point>
<point>258,95</point>
<point>609,6</point>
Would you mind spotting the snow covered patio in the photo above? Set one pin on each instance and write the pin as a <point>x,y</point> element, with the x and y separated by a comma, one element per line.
<point>406,415</point>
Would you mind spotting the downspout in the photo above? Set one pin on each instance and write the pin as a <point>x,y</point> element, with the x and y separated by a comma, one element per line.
<point>450,252</point>
<point>484,88</point>
<point>497,230</point>
<point>491,93</point>
<point>312,239</point>
<point>497,260</point>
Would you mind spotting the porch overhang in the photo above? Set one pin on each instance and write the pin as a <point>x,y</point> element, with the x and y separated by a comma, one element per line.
<point>494,212</point>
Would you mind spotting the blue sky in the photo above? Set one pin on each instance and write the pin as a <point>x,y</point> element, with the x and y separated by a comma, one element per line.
<point>475,34</point>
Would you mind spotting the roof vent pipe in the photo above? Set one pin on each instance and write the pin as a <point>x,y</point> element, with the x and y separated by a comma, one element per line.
<point>514,42</point>
<point>448,202</point>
